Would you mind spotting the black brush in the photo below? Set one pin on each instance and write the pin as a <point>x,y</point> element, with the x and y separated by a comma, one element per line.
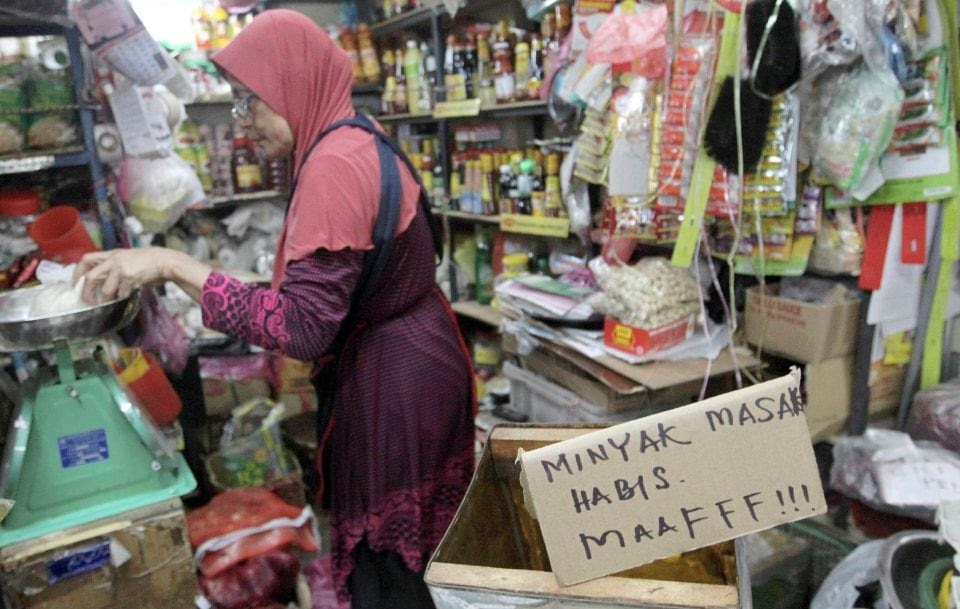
<point>778,67</point>
<point>720,136</point>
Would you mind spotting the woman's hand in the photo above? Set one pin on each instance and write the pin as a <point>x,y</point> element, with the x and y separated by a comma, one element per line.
<point>113,274</point>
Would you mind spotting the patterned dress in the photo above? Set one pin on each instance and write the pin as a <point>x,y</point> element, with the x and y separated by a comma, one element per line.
<point>401,443</point>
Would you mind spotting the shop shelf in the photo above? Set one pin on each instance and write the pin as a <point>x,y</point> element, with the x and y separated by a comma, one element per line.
<point>470,217</point>
<point>35,160</point>
<point>479,312</point>
<point>250,197</point>
<point>367,88</point>
<point>516,109</point>
<point>409,19</point>
<point>418,117</point>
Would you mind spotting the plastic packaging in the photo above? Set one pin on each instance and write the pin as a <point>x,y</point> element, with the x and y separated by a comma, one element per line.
<point>251,445</point>
<point>856,127</point>
<point>841,588</point>
<point>935,415</point>
<point>12,101</point>
<point>627,37</point>
<point>887,471</point>
<point>159,189</point>
<point>646,295</point>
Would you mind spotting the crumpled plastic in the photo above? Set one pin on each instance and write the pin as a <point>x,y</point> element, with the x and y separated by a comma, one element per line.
<point>887,471</point>
<point>246,522</point>
<point>262,582</point>
<point>857,569</point>
<point>158,190</point>
<point>628,37</point>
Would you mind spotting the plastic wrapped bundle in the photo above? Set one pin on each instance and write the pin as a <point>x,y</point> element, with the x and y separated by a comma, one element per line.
<point>935,415</point>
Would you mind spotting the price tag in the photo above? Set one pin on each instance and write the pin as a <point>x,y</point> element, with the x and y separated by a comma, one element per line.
<point>459,108</point>
<point>535,225</point>
<point>27,164</point>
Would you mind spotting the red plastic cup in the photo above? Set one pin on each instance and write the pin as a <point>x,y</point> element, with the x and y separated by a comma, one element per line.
<point>144,377</point>
<point>61,235</point>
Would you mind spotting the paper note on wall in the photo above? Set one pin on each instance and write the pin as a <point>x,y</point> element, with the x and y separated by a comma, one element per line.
<point>651,488</point>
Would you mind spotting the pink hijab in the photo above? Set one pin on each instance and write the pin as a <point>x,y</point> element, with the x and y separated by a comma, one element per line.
<point>293,66</point>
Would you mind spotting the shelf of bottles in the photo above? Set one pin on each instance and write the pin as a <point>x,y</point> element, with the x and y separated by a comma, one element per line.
<point>503,67</point>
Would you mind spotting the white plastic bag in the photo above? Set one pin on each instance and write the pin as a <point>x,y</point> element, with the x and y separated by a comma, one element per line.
<point>859,568</point>
<point>158,190</point>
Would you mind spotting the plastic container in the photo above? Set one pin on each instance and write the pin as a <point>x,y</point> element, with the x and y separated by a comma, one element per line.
<point>142,374</point>
<point>61,235</point>
<point>515,265</point>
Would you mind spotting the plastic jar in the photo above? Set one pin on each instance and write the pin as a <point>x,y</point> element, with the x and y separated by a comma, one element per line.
<point>18,208</point>
<point>515,265</point>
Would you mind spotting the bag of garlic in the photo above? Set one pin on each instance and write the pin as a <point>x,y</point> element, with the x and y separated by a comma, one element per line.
<point>649,306</point>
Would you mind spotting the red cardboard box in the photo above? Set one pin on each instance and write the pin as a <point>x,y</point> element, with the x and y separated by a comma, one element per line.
<point>639,341</point>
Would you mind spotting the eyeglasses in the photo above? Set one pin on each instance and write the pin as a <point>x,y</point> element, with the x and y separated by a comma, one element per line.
<point>241,107</point>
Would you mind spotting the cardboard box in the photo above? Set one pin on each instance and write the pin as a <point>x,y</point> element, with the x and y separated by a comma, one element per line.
<point>493,554</point>
<point>638,341</point>
<point>297,402</point>
<point>649,489</point>
<point>293,375</point>
<point>545,402</point>
<point>230,380</point>
<point>220,396</point>
<point>829,386</point>
<point>137,559</point>
<point>800,331</point>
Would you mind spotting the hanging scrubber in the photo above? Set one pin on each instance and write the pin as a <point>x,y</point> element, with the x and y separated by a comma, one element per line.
<point>774,53</point>
<point>720,137</point>
<point>772,29</point>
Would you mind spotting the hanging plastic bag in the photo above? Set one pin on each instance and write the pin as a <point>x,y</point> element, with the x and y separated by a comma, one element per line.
<point>627,37</point>
<point>861,110</point>
<point>158,190</point>
<point>161,334</point>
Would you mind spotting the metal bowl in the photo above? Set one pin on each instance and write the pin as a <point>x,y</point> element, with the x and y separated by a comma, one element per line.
<point>21,332</point>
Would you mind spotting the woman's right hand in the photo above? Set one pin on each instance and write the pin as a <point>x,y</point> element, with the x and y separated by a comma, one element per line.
<point>112,274</point>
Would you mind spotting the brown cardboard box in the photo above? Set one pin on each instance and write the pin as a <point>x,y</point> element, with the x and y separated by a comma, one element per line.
<point>800,331</point>
<point>493,554</point>
<point>294,375</point>
<point>829,390</point>
<point>296,402</point>
<point>72,569</point>
<point>220,396</point>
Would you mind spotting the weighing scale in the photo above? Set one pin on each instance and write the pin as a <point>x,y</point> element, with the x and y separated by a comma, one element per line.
<point>78,449</point>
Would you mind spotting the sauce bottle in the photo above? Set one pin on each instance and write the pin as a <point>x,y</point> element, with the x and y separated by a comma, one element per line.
<point>348,41</point>
<point>369,62</point>
<point>246,168</point>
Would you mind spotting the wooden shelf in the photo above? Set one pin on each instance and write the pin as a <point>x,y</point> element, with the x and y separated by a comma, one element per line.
<point>478,312</point>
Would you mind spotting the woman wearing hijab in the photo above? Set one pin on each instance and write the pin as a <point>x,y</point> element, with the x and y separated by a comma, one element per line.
<point>400,441</point>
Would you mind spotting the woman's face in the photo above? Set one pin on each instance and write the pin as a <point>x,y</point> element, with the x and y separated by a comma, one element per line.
<point>267,129</point>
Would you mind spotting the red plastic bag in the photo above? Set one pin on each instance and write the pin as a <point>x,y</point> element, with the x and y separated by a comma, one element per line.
<point>244,523</point>
<point>239,508</point>
<point>263,581</point>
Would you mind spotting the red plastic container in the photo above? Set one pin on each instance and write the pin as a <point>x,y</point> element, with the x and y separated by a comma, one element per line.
<point>142,374</point>
<point>61,234</point>
<point>16,203</point>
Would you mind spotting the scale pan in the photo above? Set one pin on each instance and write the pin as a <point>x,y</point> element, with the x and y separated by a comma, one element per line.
<point>21,332</point>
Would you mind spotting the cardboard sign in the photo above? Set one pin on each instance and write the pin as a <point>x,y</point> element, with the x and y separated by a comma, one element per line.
<point>623,496</point>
